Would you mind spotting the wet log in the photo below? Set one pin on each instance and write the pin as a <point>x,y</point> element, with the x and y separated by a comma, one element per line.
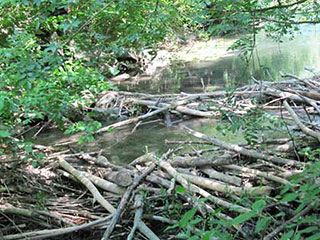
<point>178,108</point>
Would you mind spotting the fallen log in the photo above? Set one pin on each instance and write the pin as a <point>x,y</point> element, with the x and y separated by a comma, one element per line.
<point>258,173</point>
<point>305,129</point>
<point>132,120</point>
<point>243,151</point>
<point>88,184</point>
<point>222,177</point>
<point>202,161</point>
<point>195,189</point>
<point>226,189</point>
<point>124,200</point>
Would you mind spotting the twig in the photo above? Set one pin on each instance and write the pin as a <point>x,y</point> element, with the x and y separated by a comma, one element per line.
<point>241,150</point>
<point>88,184</point>
<point>45,234</point>
<point>285,224</point>
<point>124,201</point>
<point>305,129</point>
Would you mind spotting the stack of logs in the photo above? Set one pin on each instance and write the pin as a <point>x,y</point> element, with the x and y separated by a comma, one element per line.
<point>221,172</point>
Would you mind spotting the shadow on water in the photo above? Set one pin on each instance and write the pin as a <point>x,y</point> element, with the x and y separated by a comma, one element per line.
<point>231,71</point>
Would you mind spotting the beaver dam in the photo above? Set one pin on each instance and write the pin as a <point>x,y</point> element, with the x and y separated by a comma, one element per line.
<point>201,188</point>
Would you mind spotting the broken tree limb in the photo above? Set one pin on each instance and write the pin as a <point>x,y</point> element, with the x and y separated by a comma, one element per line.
<point>202,161</point>
<point>104,184</point>
<point>138,205</point>
<point>296,119</point>
<point>195,189</point>
<point>45,234</point>
<point>244,151</point>
<point>132,120</point>
<point>178,108</point>
<point>85,181</point>
<point>222,177</point>
<point>224,188</point>
<point>138,223</point>
<point>124,200</point>
<point>258,173</point>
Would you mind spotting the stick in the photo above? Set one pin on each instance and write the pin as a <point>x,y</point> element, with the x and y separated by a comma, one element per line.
<point>137,217</point>
<point>259,173</point>
<point>138,223</point>
<point>124,201</point>
<point>45,234</point>
<point>305,129</point>
<point>132,120</point>
<point>222,177</point>
<point>195,189</point>
<point>223,188</point>
<point>243,151</point>
<point>286,223</point>
<point>203,161</point>
<point>88,184</point>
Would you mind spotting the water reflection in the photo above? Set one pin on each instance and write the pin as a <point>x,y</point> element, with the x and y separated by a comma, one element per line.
<point>269,59</point>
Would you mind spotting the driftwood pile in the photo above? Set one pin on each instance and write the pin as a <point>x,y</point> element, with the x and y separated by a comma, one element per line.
<point>135,201</point>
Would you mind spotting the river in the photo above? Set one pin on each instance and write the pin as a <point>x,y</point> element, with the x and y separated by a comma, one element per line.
<point>200,75</point>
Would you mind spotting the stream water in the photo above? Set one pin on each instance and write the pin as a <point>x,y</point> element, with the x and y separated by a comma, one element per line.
<point>229,70</point>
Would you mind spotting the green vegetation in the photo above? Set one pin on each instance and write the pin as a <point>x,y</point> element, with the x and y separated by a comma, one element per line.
<point>54,54</point>
<point>52,51</point>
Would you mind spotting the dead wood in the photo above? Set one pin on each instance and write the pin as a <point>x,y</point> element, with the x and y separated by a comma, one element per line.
<point>122,178</point>
<point>225,188</point>
<point>132,120</point>
<point>124,201</point>
<point>88,184</point>
<point>243,151</point>
<point>305,129</point>
<point>222,176</point>
<point>44,234</point>
<point>258,173</point>
<point>202,161</point>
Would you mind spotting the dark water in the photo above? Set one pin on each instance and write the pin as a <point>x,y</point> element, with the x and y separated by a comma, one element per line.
<point>231,71</point>
<point>122,146</point>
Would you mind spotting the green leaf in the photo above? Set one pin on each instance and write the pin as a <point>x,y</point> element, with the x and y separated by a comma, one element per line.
<point>187,217</point>
<point>308,230</point>
<point>180,189</point>
<point>34,164</point>
<point>289,197</point>
<point>172,227</point>
<point>1,103</point>
<point>313,237</point>
<point>287,236</point>
<point>242,218</point>
<point>4,134</point>
<point>114,71</point>
<point>262,224</point>
<point>258,206</point>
